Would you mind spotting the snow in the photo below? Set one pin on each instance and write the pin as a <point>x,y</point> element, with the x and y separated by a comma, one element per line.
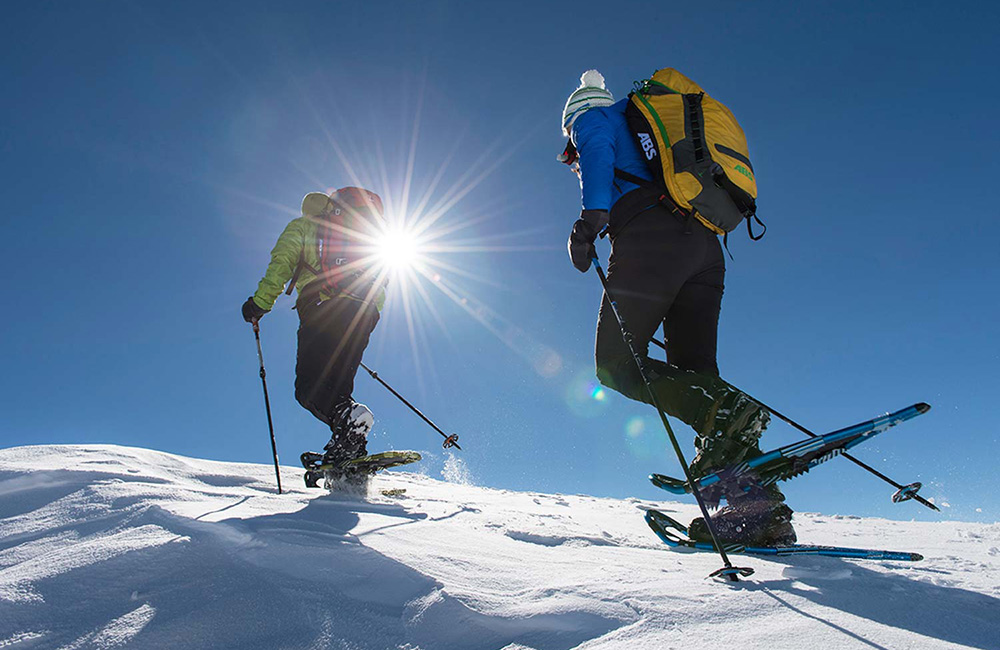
<point>104,546</point>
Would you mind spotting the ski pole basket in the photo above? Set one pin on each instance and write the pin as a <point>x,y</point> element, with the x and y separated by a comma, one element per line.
<point>907,492</point>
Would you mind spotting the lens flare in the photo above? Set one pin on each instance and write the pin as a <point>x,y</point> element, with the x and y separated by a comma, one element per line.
<point>635,427</point>
<point>397,248</point>
<point>434,235</point>
<point>643,439</point>
<point>584,396</point>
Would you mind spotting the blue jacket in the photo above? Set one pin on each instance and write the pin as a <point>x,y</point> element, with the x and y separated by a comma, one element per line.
<point>603,142</point>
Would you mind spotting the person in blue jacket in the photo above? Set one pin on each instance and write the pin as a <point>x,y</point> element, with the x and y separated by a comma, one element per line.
<point>666,271</point>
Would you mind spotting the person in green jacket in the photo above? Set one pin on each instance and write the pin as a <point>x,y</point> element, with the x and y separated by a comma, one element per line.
<point>327,254</point>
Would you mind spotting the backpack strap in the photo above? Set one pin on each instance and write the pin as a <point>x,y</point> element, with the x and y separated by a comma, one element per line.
<point>725,244</point>
<point>664,196</point>
<point>297,273</point>
<point>693,103</point>
<point>676,209</point>
<point>636,180</point>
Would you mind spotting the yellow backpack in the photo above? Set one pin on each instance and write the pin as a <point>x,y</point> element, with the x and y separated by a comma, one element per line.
<point>696,149</point>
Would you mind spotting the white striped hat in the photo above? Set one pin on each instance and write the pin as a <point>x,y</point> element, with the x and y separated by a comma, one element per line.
<point>591,94</point>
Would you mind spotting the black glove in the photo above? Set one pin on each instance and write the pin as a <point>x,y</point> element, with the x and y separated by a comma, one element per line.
<point>581,240</point>
<point>251,311</point>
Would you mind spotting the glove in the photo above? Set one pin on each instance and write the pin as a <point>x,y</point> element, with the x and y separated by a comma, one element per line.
<point>581,240</point>
<point>251,311</point>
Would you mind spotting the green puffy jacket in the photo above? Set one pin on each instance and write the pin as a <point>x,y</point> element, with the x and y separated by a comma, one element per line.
<point>299,242</point>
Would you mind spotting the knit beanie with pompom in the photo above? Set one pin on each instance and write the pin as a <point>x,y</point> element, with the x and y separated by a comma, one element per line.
<point>592,93</point>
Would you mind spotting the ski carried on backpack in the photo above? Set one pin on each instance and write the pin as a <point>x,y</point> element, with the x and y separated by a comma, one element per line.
<point>353,471</point>
<point>790,460</point>
<point>674,534</point>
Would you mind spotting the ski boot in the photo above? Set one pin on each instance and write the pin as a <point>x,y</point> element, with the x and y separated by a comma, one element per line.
<point>756,517</point>
<point>351,423</point>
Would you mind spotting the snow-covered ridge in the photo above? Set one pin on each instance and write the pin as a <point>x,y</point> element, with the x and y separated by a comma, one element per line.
<point>104,546</point>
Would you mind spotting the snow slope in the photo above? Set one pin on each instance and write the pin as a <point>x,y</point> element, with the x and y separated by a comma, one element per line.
<point>105,547</point>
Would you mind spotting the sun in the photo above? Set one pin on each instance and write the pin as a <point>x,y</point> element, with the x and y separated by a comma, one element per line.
<point>432,240</point>
<point>397,248</point>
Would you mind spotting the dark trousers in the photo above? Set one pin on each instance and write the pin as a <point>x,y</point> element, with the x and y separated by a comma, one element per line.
<point>333,335</point>
<point>663,271</point>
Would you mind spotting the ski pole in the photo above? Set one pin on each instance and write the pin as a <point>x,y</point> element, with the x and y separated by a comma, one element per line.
<point>903,492</point>
<point>267,403</point>
<point>731,572</point>
<point>449,441</point>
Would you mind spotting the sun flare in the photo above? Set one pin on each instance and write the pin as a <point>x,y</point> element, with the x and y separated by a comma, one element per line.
<point>397,249</point>
<point>432,241</point>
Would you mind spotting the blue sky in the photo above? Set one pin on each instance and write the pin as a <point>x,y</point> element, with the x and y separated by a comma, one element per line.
<point>152,154</point>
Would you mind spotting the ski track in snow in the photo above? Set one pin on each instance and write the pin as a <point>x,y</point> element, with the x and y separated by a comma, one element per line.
<point>104,546</point>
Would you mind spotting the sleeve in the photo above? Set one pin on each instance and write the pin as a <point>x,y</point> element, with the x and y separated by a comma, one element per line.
<point>284,258</point>
<point>595,143</point>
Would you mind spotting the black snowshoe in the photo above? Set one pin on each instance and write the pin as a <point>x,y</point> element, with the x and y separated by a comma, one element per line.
<point>351,475</point>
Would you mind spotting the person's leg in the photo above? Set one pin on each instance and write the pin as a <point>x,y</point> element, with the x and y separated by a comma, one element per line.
<point>653,260</point>
<point>729,426</point>
<point>332,339</point>
<point>647,267</point>
<point>732,426</point>
<point>691,327</point>
<point>314,350</point>
<point>642,314</point>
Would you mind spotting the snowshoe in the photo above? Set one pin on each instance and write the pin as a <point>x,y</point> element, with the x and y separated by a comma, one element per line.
<point>758,518</point>
<point>788,461</point>
<point>351,473</point>
<point>676,535</point>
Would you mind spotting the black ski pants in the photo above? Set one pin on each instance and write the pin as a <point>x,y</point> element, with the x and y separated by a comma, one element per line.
<point>333,335</point>
<point>667,271</point>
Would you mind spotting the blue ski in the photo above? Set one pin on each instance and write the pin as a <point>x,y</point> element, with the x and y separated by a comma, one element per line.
<point>790,460</point>
<point>674,534</point>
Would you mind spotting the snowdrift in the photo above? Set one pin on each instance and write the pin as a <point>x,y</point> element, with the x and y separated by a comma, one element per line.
<point>104,546</point>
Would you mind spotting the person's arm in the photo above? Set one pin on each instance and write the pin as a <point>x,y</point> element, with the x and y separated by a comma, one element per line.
<point>284,259</point>
<point>596,147</point>
<point>595,144</point>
